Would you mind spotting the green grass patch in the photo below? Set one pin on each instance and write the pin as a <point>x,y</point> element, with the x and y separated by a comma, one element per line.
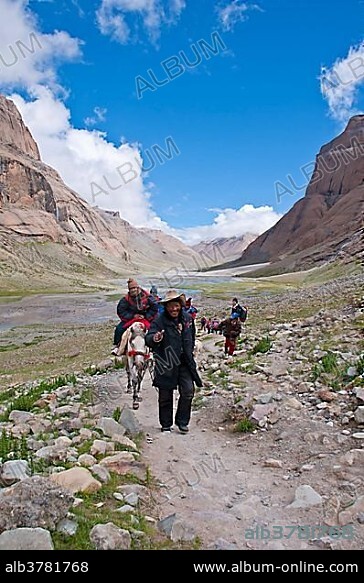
<point>5,396</point>
<point>244,425</point>
<point>114,297</point>
<point>198,402</point>
<point>116,414</point>
<point>330,371</point>
<point>85,446</point>
<point>329,362</point>
<point>262,346</point>
<point>93,370</point>
<point>9,297</point>
<point>25,402</point>
<point>332,272</point>
<point>86,396</point>
<point>13,448</point>
<point>16,448</point>
<point>7,347</point>
<point>100,508</point>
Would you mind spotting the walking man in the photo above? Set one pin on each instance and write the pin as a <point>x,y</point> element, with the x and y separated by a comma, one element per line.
<point>172,341</point>
<point>231,329</point>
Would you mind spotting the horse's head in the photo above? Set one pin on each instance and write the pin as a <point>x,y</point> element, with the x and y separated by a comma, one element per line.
<point>138,329</point>
<point>137,349</point>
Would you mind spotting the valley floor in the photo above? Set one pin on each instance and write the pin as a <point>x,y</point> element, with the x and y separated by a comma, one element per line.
<point>274,458</point>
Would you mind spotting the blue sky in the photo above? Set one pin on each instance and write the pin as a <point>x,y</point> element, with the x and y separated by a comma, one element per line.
<point>280,79</point>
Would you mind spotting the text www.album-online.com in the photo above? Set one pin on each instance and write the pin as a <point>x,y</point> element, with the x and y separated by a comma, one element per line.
<point>251,567</point>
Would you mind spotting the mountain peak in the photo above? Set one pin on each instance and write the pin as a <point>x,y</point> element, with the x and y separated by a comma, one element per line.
<point>13,131</point>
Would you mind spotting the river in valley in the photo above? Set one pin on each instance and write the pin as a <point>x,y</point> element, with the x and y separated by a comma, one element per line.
<point>91,308</point>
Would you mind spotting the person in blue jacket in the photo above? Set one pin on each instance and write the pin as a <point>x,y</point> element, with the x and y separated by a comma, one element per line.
<point>154,292</point>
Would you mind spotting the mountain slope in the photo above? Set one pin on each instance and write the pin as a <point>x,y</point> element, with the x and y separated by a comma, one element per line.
<point>224,248</point>
<point>37,209</point>
<point>330,213</point>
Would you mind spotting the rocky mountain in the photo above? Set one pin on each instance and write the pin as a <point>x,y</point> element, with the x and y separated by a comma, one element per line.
<point>47,228</point>
<point>329,218</point>
<point>224,248</point>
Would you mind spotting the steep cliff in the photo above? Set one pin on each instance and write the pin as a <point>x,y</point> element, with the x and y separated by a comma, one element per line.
<point>331,212</point>
<point>37,208</point>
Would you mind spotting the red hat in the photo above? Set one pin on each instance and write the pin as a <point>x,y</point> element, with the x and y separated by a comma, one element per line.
<point>132,283</point>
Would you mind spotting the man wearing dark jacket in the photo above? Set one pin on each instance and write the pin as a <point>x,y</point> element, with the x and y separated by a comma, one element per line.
<point>171,339</point>
<point>137,305</point>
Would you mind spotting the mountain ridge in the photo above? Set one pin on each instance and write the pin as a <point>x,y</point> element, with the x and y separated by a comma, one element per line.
<point>331,211</point>
<point>37,207</point>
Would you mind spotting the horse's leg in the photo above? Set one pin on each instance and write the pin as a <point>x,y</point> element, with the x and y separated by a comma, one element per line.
<point>129,387</point>
<point>139,384</point>
<point>135,389</point>
<point>135,397</point>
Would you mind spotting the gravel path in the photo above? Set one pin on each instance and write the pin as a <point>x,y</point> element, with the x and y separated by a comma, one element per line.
<point>235,490</point>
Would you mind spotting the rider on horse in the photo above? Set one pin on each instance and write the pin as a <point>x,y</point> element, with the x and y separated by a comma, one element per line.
<point>137,306</point>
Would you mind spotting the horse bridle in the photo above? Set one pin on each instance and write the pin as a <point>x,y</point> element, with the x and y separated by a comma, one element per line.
<point>133,352</point>
<point>145,355</point>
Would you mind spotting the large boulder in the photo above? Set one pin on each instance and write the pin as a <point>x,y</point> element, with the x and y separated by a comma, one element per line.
<point>34,502</point>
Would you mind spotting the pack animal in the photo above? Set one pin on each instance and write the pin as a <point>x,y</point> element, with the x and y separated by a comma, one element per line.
<point>139,358</point>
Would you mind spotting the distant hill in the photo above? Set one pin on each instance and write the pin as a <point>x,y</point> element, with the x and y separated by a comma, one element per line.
<point>224,249</point>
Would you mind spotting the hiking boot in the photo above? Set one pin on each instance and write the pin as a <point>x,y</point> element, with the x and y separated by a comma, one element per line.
<point>164,429</point>
<point>183,428</point>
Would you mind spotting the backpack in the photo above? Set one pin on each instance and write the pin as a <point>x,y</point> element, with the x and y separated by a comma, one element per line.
<point>243,313</point>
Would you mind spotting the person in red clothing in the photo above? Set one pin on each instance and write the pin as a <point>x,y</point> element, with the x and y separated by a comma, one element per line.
<point>231,329</point>
<point>137,306</point>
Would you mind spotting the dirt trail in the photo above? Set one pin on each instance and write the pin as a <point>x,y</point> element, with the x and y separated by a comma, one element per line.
<point>222,487</point>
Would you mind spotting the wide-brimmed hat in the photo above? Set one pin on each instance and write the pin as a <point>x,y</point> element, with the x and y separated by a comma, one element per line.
<point>171,295</point>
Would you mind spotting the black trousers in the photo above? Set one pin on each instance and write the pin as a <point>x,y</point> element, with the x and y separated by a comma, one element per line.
<point>165,400</point>
<point>119,330</point>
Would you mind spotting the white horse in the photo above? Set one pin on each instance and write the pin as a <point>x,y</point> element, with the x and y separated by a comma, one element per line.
<point>139,358</point>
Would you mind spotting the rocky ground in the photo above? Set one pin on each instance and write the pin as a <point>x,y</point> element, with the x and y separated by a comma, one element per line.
<point>274,457</point>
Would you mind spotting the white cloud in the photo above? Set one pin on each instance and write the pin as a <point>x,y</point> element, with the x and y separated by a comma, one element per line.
<point>110,176</point>
<point>340,83</point>
<point>28,57</point>
<point>83,158</point>
<point>103,174</point>
<point>231,223</point>
<point>80,11</point>
<point>114,16</point>
<point>100,113</point>
<point>234,12</point>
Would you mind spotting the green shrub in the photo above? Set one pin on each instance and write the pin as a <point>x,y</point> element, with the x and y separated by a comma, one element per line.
<point>116,414</point>
<point>262,346</point>
<point>329,362</point>
<point>244,425</point>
